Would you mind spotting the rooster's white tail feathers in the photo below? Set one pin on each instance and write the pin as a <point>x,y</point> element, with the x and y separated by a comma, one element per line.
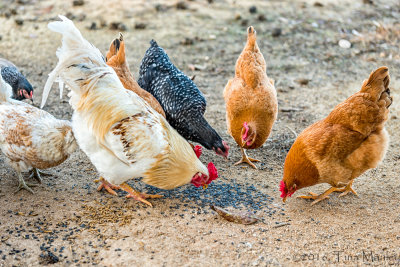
<point>77,59</point>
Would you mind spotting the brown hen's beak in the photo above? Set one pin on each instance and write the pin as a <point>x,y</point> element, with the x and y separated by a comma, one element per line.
<point>205,186</point>
<point>284,199</point>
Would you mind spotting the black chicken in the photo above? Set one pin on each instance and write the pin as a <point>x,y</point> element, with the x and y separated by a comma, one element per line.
<point>21,88</point>
<point>182,101</point>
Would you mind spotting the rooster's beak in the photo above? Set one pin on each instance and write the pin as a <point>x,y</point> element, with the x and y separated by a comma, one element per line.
<point>284,200</point>
<point>205,186</point>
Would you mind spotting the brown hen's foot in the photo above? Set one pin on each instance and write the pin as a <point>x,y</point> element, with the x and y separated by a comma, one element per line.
<point>246,159</point>
<point>107,186</point>
<point>137,195</point>
<point>23,185</point>
<point>347,189</point>
<point>37,174</point>
<point>318,198</point>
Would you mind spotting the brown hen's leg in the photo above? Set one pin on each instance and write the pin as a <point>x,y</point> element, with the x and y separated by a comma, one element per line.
<point>137,195</point>
<point>318,198</point>
<point>246,159</point>
<point>107,186</point>
<point>347,189</point>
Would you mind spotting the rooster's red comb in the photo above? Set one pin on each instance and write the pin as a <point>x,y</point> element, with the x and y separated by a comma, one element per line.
<point>198,150</point>
<point>212,171</point>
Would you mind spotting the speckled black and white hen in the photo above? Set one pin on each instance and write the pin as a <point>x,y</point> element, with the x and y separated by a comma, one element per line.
<point>182,101</point>
<point>21,88</point>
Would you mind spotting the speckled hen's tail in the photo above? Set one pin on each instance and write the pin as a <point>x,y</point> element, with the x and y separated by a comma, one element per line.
<point>5,90</point>
<point>78,60</point>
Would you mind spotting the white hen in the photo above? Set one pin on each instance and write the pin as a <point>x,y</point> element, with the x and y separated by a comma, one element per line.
<point>31,137</point>
<point>120,133</point>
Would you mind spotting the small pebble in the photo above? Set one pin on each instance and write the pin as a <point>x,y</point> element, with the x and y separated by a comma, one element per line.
<point>187,41</point>
<point>344,44</point>
<point>78,3</point>
<point>182,5</point>
<point>276,32</point>
<point>93,26</point>
<point>161,8</point>
<point>19,21</point>
<point>253,9</point>
<point>262,17</point>
<point>140,26</point>
<point>118,26</point>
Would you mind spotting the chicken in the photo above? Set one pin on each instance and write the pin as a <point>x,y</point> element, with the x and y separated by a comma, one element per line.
<point>250,98</point>
<point>182,101</point>
<point>21,88</point>
<point>117,60</point>
<point>341,147</point>
<point>120,133</point>
<point>30,138</point>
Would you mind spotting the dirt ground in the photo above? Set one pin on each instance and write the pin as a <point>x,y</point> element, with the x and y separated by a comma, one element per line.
<point>68,223</point>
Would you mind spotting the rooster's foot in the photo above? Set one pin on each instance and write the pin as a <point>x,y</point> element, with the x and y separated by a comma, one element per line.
<point>107,186</point>
<point>137,195</point>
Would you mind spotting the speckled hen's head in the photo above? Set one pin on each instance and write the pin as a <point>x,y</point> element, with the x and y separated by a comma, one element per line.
<point>24,90</point>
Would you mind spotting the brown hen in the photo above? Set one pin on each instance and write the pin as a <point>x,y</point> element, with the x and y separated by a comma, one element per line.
<point>117,60</point>
<point>339,148</point>
<point>250,97</point>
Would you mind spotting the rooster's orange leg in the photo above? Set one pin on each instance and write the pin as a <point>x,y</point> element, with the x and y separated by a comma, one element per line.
<point>107,186</point>
<point>318,198</point>
<point>246,159</point>
<point>137,195</point>
<point>347,189</point>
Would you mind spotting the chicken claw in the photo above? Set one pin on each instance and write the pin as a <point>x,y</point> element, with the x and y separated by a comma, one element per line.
<point>317,198</point>
<point>107,186</point>
<point>36,173</point>
<point>347,190</point>
<point>137,195</point>
<point>246,159</point>
<point>23,185</point>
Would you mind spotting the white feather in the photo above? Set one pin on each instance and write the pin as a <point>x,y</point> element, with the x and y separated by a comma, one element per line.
<point>5,90</point>
<point>74,50</point>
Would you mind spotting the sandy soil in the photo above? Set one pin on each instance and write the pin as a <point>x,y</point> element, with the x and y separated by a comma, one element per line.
<point>68,223</point>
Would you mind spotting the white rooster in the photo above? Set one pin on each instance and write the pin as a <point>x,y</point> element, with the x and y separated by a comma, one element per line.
<point>120,133</point>
<point>31,138</point>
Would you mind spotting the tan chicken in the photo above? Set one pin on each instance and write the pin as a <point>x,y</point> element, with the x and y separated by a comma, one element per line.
<point>341,147</point>
<point>117,60</point>
<point>250,97</point>
<point>31,138</point>
<point>120,133</point>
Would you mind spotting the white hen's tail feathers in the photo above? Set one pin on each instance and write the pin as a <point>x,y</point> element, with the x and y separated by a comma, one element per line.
<point>5,90</point>
<point>75,51</point>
